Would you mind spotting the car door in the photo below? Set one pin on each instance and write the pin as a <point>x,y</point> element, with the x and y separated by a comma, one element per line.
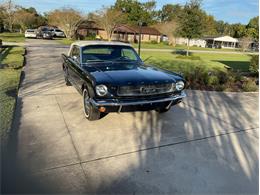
<point>71,64</point>
<point>76,71</point>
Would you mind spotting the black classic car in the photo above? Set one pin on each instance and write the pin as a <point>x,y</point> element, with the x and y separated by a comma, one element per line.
<point>112,78</point>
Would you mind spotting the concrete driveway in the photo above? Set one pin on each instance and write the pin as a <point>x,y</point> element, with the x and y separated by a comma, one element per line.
<point>208,144</point>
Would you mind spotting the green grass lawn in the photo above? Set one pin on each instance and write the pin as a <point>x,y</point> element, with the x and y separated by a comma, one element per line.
<point>177,47</point>
<point>12,57</point>
<point>65,41</point>
<point>11,61</point>
<point>209,61</point>
<point>12,37</point>
<point>9,80</point>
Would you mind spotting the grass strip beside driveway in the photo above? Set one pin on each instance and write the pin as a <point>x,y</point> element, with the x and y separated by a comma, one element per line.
<point>11,62</point>
<point>12,37</point>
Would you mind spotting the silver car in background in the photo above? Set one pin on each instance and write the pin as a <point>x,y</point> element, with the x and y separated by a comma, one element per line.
<point>57,33</point>
<point>44,33</point>
<point>30,33</point>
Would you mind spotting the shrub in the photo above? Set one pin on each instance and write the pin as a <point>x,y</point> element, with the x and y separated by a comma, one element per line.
<point>254,64</point>
<point>196,77</point>
<point>223,77</point>
<point>154,42</point>
<point>165,43</point>
<point>188,57</point>
<point>249,85</point>
<point>212,80</point>
<point>90,37</point>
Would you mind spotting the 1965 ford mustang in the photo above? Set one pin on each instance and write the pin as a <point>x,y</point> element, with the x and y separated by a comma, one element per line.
<point>112,78</point>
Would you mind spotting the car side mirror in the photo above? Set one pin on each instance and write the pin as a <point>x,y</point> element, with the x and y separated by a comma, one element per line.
<point>74,57</point>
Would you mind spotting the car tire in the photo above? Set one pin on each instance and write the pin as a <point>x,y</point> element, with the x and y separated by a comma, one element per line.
<point>66,75</point>
<point>91,113</point>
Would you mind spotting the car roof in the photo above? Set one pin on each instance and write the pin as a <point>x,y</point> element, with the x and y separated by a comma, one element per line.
<point>86,43</point>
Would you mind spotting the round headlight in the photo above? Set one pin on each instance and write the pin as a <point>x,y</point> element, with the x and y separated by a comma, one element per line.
<point>180,85</point>
<point>101,90</point>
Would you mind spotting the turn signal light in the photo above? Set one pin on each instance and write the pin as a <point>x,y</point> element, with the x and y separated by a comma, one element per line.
<point>102,109</point>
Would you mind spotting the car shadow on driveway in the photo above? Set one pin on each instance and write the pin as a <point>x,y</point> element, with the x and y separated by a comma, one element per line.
<point>213,153</point>
<point>208,144</point>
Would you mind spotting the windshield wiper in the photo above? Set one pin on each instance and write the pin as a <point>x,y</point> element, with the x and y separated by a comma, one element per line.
<point>96,60</point>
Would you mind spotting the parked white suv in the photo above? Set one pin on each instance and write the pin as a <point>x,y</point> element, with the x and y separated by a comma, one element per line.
<point>30,33</point>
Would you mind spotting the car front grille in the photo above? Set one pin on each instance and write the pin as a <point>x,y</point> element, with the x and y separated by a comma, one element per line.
<point>145,90</point>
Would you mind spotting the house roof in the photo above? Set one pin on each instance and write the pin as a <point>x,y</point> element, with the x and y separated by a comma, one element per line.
<point>136,29</point>
<point>121,28</point>
<point>88,25</point>
<point>145,30</point>
<point>222,38</point>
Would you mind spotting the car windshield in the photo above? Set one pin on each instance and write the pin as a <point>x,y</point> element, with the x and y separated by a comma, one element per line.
<point>100,53</point>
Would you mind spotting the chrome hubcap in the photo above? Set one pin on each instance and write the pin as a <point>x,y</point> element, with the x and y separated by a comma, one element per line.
<point>86,103</point>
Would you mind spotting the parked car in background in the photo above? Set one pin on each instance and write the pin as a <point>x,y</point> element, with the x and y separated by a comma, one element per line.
<point>30,33</point>
<point>44,33</point>
<point>57,33</point>
<point>112,78</point>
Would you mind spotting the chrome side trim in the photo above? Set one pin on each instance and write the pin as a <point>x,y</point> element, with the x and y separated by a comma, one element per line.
<point>123,103</point>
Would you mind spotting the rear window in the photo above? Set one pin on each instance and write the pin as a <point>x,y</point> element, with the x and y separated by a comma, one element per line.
<point>29,30</point>
<point>97,50</point>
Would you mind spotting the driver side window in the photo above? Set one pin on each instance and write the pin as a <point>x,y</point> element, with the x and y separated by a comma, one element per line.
<point>75,54</point>
<point>129,54</point>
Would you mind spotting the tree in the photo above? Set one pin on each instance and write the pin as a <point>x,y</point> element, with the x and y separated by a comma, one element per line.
<point>244,43</point>
<point>191,21</point>
<point>24,19</point>
<point>136,11</point>
<point>109,19</point>
<point>253,28</point>
<point>9,10</point>
<point>66,19</point>
<point>238,30</point>
<point>210,25</point>
<point>2,12</point>
<point>169,12</point>
<point>168,29</point>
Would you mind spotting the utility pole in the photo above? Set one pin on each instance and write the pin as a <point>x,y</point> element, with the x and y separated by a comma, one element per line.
<point>139,38</point>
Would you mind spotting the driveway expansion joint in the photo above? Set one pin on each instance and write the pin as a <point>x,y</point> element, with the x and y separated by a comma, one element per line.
<point>72,141</point>
<point>150,148</point>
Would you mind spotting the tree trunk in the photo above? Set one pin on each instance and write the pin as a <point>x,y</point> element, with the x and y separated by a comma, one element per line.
<point>188,47</point>
<point>172,41</point>
<point>109,37</point>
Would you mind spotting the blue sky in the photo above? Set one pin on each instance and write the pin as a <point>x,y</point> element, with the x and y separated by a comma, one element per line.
<point>232,11</point>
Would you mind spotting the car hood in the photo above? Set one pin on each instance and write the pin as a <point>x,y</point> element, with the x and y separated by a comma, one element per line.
<point>123,74</point>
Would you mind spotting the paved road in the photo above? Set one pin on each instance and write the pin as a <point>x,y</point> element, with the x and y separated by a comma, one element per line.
<point>208,144</point>
<point>202,51</point>
<point>161,50</point>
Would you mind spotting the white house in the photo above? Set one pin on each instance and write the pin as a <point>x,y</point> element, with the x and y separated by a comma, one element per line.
<point>193,42</point>
<point>221,42</point>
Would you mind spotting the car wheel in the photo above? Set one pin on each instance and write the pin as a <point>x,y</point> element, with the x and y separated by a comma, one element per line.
<point>66,75</point>
<point>163,110</point>
<point>90,111</point>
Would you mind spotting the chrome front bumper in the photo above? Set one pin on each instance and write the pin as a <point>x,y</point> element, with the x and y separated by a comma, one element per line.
<point>116,102</point>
